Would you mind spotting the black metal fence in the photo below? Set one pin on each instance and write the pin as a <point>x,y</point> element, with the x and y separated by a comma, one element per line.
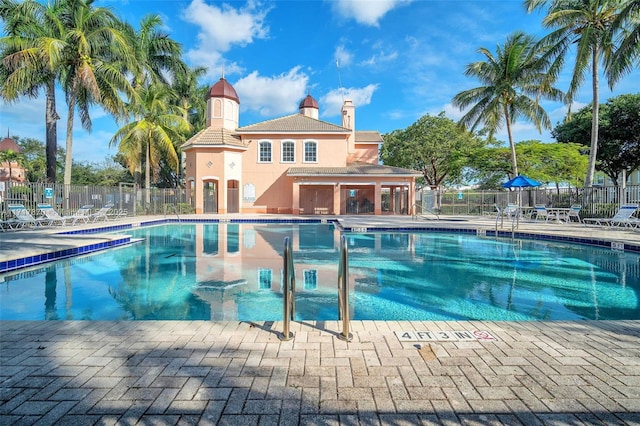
<point>596,202</point>
<point>67,199</point>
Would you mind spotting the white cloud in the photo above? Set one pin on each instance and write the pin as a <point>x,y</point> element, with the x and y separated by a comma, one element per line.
<point>367,12</point>
<point>332,101</point>
<point>221,28</point>
<point>272,95</point>
<point>381,57</point>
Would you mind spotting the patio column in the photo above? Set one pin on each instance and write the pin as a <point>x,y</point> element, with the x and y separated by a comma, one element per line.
<point>336,198</point>
<point>295,198</point>
<point>377,196</point>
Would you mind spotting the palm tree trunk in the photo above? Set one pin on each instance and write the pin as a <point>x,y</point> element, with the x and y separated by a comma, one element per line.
<point>593,152</point>
<point>512,145</point>
<point>147,178</point>
<point>68,159</point>
<point>51,118</point>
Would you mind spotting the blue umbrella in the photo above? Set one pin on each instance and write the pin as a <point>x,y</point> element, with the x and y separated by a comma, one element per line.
<point>520,181</point>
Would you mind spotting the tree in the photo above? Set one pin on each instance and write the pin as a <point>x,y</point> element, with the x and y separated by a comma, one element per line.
<point>435,145</point>
<point>92,44</point>
<point>160,122</point>
<point>8,158</point>
<point>28,53</point>
<point>155,56</point>
<point>588,25</point>
<point>628,51</point>
<point>192,96</point>
<point>556,163</point>
<point>619,134</point>
<point>514,81</point>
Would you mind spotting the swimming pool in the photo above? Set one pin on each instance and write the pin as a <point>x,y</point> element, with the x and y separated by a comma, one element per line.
<point>232,271</point>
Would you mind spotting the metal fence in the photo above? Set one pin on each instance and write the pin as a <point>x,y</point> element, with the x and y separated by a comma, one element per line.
<point>67,199</point>
<point>595,202</point>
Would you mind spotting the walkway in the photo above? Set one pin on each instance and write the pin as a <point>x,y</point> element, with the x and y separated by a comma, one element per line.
<point>391,373</point>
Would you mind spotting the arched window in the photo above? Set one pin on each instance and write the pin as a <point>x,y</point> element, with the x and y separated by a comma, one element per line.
<point>288,152</point>
<point>264,152</point>
<point>310,152</point>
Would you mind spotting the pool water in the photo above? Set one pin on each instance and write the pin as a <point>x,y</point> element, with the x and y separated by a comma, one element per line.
<point>234,272</point>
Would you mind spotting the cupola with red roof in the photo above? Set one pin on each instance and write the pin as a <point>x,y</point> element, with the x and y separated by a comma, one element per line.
<point>8,144</point>
<point>309,107</point>
<point>223,105</point>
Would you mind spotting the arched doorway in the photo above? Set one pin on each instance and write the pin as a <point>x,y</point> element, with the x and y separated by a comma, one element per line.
<point>233,196</point>
<point>210,196</point>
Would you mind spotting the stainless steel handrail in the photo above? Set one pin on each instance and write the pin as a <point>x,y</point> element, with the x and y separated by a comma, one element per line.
<point>288,290</point>
<point>343,290</point>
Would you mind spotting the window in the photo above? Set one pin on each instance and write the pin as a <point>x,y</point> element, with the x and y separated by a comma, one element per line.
<point>310,152</point>
<point>264,152</point>
<point>288,152</point>
<point>310,279</point>
<point>264,279</point>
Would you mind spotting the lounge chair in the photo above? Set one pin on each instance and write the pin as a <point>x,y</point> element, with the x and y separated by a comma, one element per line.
<point>101,214</point>
<point>55,217</point>
<point>22,218</point>
<point>621,218</point>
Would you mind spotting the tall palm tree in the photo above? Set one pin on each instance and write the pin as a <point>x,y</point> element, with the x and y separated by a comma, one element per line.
<point>628,52</point>
<point>160,123</point>
<point>156,58</point>
<point>192,95</point>
<point>514,79</point>
<point>28,61</point>
<point>587,25</point>
<point>91,46</point>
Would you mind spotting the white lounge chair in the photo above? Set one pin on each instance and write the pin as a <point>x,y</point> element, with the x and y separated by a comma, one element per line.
<point>55,218</point>
<point>22,217</point>
<point>573,213</point>
<point>621,218</point>
<point>101,214</point>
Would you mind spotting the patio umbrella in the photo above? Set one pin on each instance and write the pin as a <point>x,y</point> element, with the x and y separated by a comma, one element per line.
<point>520,181</point>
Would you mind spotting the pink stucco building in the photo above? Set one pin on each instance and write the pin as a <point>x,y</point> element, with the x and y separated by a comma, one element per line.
<point>295,164</point>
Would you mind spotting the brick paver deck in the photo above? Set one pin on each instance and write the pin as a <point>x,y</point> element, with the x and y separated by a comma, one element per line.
<point>200,372</point>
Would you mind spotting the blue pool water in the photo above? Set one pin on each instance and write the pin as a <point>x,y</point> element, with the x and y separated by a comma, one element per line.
<point>233,272</point>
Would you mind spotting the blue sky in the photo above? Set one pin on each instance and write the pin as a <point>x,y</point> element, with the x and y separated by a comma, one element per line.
<point>398,60</point>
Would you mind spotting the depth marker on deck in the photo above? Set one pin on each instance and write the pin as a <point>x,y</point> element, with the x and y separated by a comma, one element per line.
<point>444,336</point>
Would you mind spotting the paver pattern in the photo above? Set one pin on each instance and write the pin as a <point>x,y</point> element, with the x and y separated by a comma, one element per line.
<point>201,372</point>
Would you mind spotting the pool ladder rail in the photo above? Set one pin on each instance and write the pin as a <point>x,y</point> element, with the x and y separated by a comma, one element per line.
<point>289,291</point>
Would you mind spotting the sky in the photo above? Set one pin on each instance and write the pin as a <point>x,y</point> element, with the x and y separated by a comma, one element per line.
<point>397,60</point>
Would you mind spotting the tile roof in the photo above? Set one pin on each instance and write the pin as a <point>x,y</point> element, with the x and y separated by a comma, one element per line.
<point>214,137</point>
<point>294,123</point>
<point>368,136</point>
<point>353,169</point>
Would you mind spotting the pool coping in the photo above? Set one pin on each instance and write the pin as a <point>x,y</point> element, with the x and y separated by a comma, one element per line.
<point>18,263</point>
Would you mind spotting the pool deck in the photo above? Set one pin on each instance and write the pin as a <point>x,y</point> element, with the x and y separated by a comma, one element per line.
<point>391,372</point>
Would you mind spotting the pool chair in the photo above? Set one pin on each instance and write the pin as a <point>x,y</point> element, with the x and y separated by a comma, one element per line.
<point>574,212</point>
<point>101,214</point>
<point>542,213</point>
<point>22,217</point>
<point>55,218</point>
<point>621,218</point>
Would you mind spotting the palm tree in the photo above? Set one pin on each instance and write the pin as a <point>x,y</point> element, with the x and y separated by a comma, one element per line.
<point>91,47</point>
<point>587,24</point>
<point>156,58</point>
<point>28,52</point>
<point>192,96</point>
<point>518,71</point>
<point>160,123</point>
<point>10,158</point>
<point>628,52</point>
